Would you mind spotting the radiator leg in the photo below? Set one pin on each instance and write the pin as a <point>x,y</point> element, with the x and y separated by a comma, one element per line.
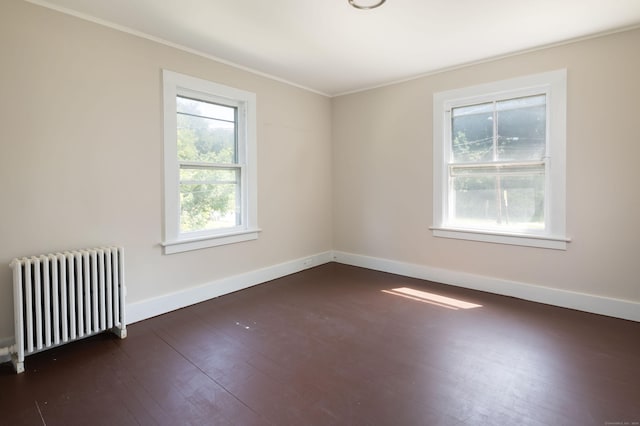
<point>17,364</point>
<point>120,332</point>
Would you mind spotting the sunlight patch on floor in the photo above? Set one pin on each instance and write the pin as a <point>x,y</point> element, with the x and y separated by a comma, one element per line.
<point>431,298</point>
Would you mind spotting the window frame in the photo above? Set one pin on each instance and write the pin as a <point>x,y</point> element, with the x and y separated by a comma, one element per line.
<point>175,84</point>
<point>553,85</point>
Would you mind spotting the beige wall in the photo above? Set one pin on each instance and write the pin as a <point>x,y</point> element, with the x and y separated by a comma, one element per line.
<point>382,172</point>
<point>81,158</point>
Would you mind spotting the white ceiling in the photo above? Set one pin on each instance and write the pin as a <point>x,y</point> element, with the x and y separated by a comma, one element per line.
<point>330,47</point>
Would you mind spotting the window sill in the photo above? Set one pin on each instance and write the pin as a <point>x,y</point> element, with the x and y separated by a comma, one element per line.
<point>188,244</point>
<point>540,241</point>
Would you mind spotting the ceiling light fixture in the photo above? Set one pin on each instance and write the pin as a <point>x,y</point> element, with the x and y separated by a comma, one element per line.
<point>364,6</point>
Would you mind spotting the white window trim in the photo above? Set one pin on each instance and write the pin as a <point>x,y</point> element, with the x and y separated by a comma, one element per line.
<point>179,84</point>
<point>552,83</point>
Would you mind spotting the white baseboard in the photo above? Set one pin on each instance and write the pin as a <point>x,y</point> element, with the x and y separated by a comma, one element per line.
<point>567,299</point>
<point>148,308</point>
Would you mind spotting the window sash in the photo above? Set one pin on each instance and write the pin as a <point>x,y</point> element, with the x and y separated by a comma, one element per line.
<point>209,213</point>
<point>503,196</point>
<point>233,187</point>
<point>493,172</point>
<point>493,132</point>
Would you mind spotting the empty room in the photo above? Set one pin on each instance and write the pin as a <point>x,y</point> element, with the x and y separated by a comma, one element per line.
<point>338,212</point>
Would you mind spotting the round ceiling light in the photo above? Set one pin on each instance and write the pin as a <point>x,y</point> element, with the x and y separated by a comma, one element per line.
<point>365,4</point>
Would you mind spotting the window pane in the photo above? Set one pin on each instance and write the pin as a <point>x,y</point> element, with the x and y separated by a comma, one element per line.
<point>205,109</point>
<point>521,128</point>
<point>204,133</point>
<point>500,200</point>
<point>472,133</point>
<point>209,198</point>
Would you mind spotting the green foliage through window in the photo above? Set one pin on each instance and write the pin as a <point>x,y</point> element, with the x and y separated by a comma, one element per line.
<point>209,175</point>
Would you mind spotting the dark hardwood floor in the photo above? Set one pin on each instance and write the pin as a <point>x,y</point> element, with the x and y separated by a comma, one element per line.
<point>337,345</point>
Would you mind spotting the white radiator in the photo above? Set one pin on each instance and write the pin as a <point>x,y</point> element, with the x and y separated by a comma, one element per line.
<point>61,297</point>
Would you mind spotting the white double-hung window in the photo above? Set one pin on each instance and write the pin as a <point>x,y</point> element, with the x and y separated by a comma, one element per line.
<point>499,162</point>
<point>209,164</point>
